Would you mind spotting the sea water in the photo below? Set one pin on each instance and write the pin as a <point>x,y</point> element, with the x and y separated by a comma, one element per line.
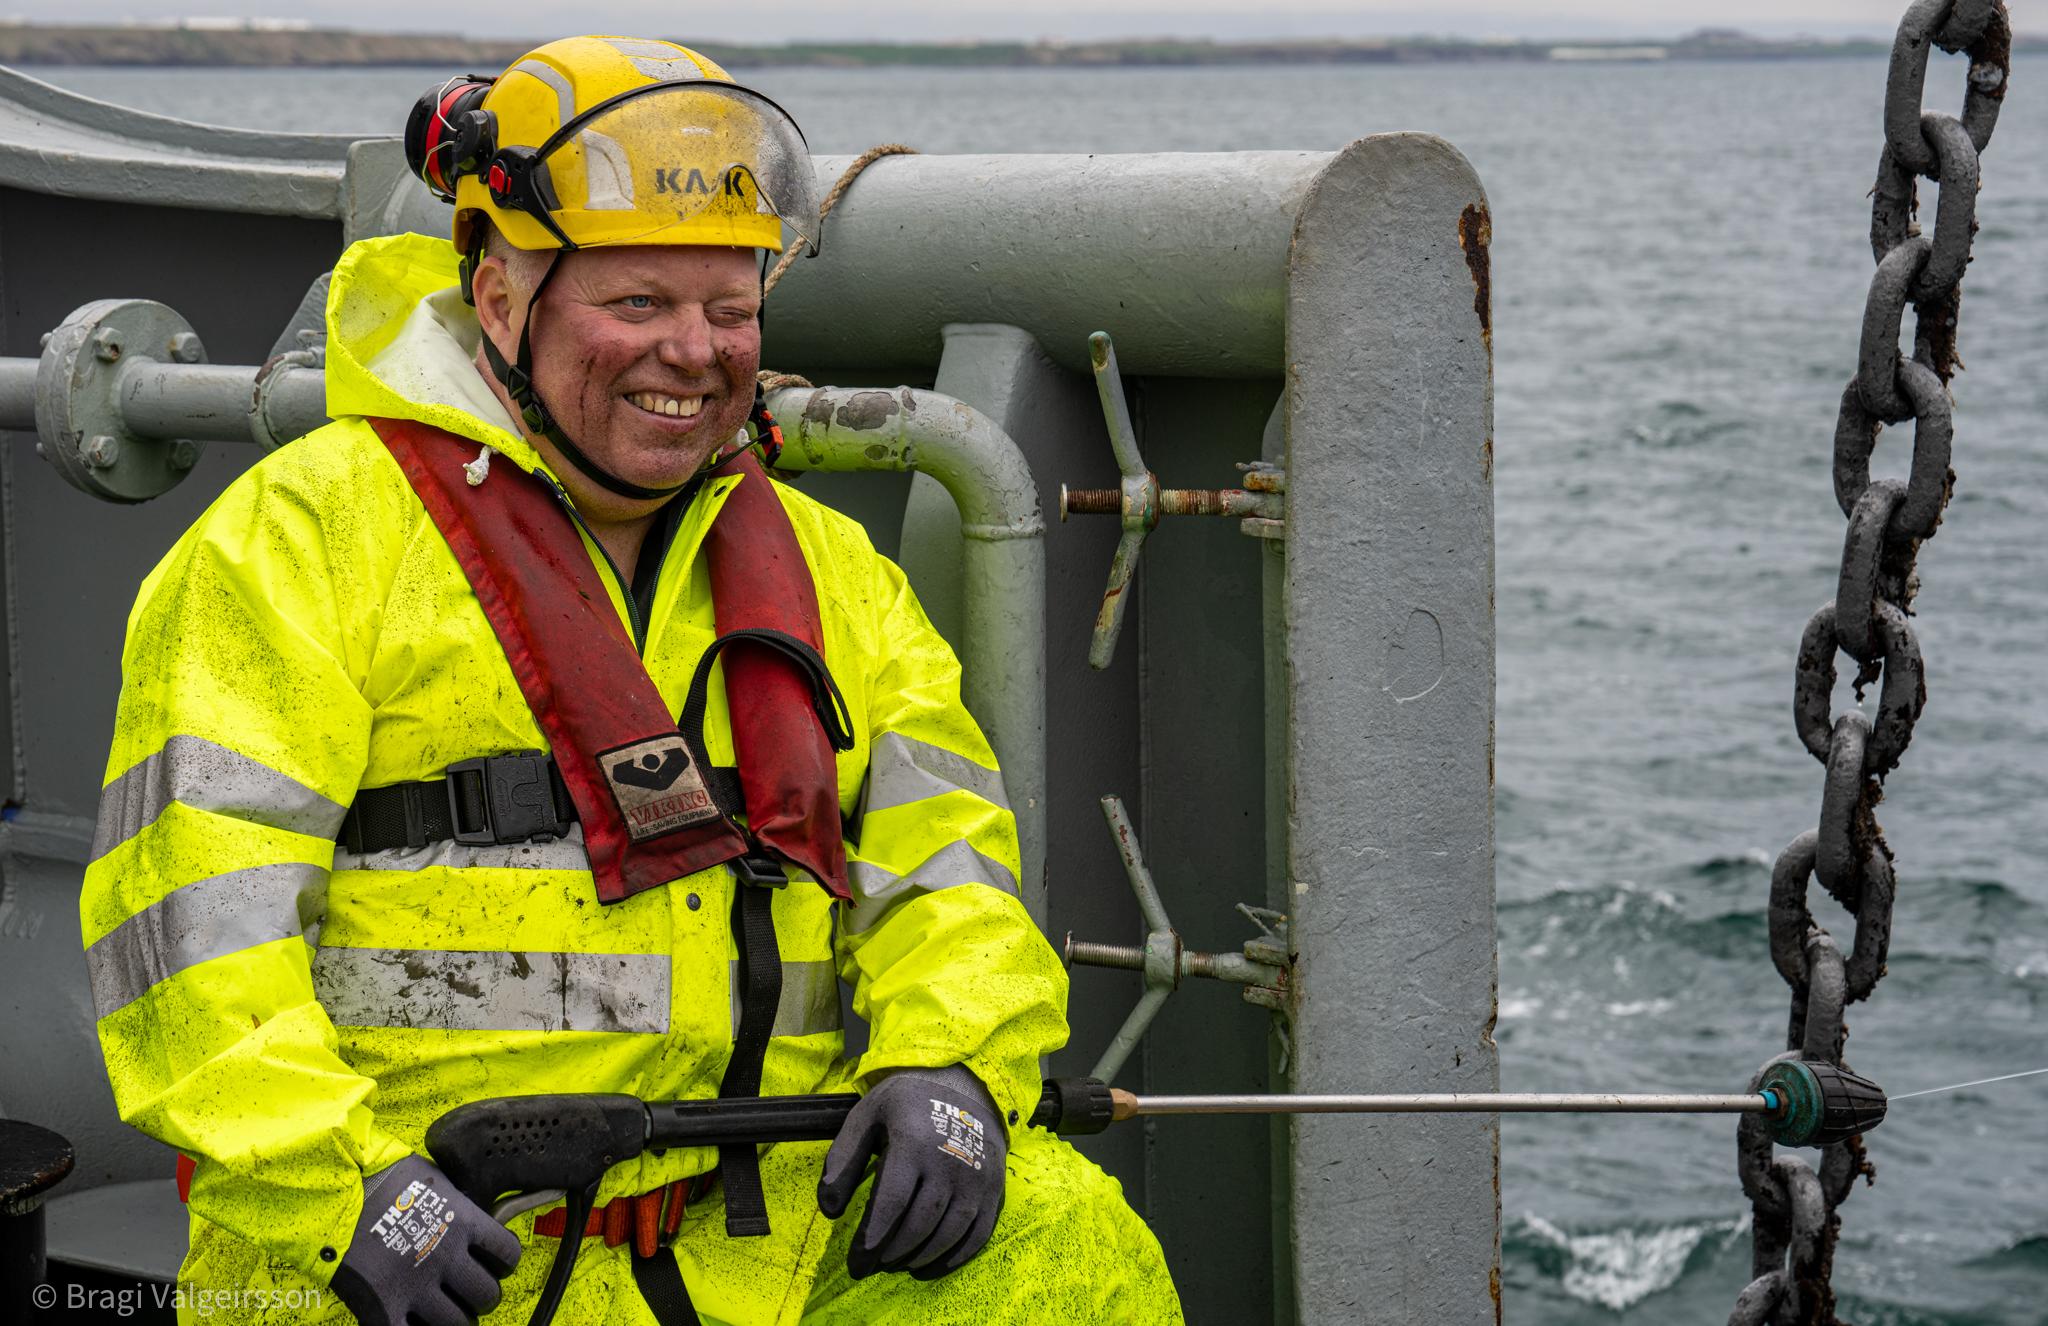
<point>1679,265</point>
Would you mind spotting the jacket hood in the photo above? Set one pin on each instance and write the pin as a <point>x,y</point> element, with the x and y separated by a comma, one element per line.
<point>401,344</point>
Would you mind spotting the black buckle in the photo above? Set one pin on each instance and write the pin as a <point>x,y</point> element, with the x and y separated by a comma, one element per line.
<point>760,870</point>
<point>518,800</point>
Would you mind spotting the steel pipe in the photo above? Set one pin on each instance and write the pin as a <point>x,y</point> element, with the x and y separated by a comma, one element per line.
<point>18,394</point>
<point>203,402</point>
<point>1161,248</point>
<point>199,402</point>
<point>223,402</point>
<point>1003,560</point>
<point>290,401</point>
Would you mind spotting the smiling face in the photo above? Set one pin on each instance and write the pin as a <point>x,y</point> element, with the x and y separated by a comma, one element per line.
<point>644,354</point>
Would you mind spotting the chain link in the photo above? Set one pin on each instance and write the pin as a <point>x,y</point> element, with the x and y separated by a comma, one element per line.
<point>1795,1222</point>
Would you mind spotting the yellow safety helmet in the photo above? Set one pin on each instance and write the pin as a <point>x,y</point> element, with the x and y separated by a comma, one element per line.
<point>593,141</point>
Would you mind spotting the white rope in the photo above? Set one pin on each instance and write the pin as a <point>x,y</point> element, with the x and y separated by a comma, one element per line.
<point>1982,1081</point>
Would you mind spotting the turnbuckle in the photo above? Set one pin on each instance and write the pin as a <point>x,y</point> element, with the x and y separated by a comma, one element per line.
<point>1139,500</point>
<point>1262,968</point>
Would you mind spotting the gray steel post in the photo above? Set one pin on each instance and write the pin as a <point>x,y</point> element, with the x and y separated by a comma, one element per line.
<point>1279,897</point>
<point>1388,603</point>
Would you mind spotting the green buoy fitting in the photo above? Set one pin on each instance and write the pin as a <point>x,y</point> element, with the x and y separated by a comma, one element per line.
<point>1819,1104</point>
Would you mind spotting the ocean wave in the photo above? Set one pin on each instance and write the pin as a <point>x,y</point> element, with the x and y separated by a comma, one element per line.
<point>1942,922</point>
<point>1970,924</point>
<point>1608,899</point>
<point>1668,436</point>
<point>1637,1007</point>
<point>1994,901</point>
<point>1571,920</point>
<point>1751,862</point>
<point>2026,1254</point>
<point>1618,1268</point>
<point>1851,1306</point>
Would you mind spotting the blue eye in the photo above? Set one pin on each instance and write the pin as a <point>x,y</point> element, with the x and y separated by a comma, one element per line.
<point>638,301</point>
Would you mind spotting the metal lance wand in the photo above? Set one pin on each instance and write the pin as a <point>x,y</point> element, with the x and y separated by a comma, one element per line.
<point>516,1153</point>
<point>1805,1104</point>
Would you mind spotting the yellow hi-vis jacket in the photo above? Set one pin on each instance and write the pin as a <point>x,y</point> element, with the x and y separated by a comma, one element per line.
<point>293,1016</point>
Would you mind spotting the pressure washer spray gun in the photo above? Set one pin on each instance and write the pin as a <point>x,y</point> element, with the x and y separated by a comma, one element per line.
<point>515,1154</point>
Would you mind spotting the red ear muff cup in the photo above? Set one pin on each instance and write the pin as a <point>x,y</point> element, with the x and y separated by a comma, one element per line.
<point>416,125</point>
<point>432,137</point>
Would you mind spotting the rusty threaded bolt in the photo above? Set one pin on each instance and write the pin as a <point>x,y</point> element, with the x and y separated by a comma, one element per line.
<point>1090,502</point>
<point>1121,956</point>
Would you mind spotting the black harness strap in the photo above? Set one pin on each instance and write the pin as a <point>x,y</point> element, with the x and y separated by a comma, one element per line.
<point>661,1284</point>
<point>486,801</point>
<point>826,700</point>
<point>757,875</point>
<point>753,928</point>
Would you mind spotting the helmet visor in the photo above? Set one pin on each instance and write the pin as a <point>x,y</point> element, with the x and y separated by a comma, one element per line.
<point>687,162</point>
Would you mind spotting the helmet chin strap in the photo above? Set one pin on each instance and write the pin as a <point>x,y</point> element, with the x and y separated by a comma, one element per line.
<point>517,379</point>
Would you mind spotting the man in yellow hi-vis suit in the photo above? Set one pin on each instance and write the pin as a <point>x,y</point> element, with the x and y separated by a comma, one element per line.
<point>314,924</point>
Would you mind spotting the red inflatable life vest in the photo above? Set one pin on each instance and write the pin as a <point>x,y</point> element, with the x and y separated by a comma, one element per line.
<point>647,811</point>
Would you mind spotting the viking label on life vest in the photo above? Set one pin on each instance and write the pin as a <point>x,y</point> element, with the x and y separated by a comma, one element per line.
<point>657,786</point>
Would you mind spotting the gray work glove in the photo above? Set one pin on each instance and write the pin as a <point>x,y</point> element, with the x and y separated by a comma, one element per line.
<point>939,1187</point>
<point>422,1253</point>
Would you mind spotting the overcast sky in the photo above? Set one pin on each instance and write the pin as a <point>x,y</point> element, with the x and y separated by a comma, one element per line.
<point>941,20</point>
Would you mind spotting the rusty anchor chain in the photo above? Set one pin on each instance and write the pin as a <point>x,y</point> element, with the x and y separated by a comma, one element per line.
<point>1795,1222</point>
<point>1140,501</point>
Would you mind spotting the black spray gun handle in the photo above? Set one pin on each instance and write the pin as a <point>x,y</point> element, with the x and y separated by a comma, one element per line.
<point>513,1154</point>
<point>501,1150</point>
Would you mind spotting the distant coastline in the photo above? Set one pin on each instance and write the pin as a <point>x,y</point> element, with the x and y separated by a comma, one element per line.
<point>285,43</point>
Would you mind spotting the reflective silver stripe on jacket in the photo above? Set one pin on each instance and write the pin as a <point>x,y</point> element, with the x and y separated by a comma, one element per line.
<point>199,922</point>
<point>809,1003</point>
<point>903,769</point>
<point>462,990</point>
<point>565,853</point>
<point>876,889</point>
<point>206,776</point>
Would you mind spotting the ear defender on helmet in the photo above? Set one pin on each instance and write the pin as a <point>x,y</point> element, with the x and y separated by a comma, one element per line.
<point>449,135</point>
